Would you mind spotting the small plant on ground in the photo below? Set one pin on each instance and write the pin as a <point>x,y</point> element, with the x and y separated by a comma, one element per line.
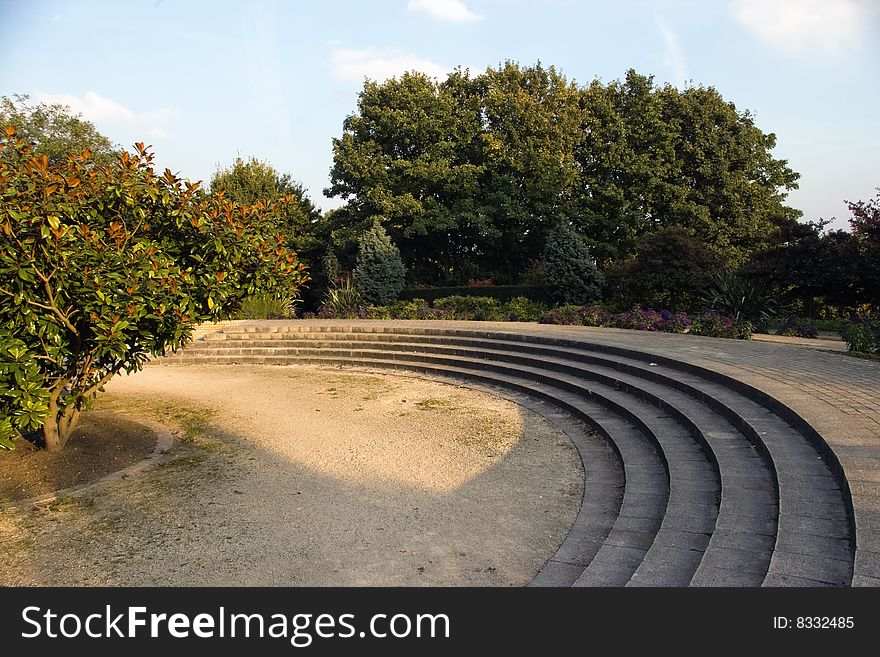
<point>341,300</point>
<point>714,325</point>
<point>267,306</point>
<point>740,299</point>
<point>862,334</point>
<point>798,328</point>
<point>646,319</point>
<point>467,307</point>
<point>577,316</point>
<point>522,309</point>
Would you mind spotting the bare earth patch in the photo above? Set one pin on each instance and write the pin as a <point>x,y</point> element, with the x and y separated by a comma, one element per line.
<point>100,445</point>
<point>300,476</point>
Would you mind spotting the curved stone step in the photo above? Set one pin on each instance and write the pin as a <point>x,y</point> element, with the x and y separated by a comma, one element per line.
<point>808,543</point>
<point>646,489</point>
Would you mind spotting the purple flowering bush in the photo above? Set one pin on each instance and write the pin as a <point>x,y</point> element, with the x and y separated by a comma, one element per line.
<point>715,325</point>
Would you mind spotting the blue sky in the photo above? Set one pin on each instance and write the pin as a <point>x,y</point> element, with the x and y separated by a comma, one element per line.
<point>207,80</point>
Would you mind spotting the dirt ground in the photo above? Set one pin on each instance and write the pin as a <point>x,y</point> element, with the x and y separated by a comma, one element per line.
<point>100,444</point>
<point>300,476</point>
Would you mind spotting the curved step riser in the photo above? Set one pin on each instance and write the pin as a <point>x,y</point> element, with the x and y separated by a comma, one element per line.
<point>445,342</point>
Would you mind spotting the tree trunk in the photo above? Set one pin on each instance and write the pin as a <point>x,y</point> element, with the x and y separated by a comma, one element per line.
<point>58,427</point>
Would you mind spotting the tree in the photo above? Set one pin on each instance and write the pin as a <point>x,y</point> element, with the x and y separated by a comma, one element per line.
<point>812,264</point>
<point>379,274</point>
<point>671,267</point>
<point>531,128</point>
<point>662,157</point>
<point>461,173</point>
<point>865,224</point>
<point>406,158</point>
<point>464,173</point>
<point>253,181</point>
<point>54,131</point>
<point>102,267</point>
<point>570,272</point>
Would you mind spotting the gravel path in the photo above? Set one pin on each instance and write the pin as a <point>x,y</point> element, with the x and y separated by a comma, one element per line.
<point>300,476</point>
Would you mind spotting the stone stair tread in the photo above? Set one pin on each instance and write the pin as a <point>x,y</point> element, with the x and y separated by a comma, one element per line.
<point>691,448</point>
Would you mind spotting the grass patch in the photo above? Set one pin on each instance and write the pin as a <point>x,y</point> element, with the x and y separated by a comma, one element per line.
<point>448,404</point>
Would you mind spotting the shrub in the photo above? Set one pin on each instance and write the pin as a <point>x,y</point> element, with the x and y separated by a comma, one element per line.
<point>797,327</point>
<point>714,325</point>
<point>671,267</point>
<point>465,307</point>
<point>577,316</point>
<point>862,334</point>
<point>570,273</point>
<point>266,306</point>
<point>379,273</point>
<point>651,320</point>
<point>102,267</point>
<point>413,309</point>
<point>521,309</point>
<point>340,299</point>
<point>500,292</point>
<point>739,298</point>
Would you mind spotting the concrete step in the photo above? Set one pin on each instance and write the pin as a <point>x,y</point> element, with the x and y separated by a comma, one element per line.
<point>748,452</point>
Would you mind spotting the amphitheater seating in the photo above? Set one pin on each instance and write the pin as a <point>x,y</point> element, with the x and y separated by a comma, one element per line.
<point>691,478</point>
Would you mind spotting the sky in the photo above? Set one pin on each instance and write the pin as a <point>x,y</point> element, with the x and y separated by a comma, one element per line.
<point>206,81</point>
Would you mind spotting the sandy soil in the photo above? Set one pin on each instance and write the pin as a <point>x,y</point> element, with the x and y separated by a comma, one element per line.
<point>300,476</point>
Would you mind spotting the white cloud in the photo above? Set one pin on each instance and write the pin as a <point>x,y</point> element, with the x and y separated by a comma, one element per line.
<point>100,110</point>
<point>799,25</point>
<point>452,11</point>
<point>673,55</point>
<point>379,64</point>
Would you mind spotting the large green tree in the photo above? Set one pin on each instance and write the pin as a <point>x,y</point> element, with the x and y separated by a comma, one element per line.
<point>102,267</point>
<point>55,131</point>
<point>531,127</point>
<point>658,157</point>
<point>463,173</point>
<point>406,158</point>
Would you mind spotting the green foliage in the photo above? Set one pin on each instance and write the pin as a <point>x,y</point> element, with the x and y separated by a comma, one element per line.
<point>572,314</point>
<point>865,224</point>
<point>862,335</point>
<point>797,327</point>
<point>815,267</point>
<point>570,273</point>
<point>670,269</point>
<point>465,172</point>
<point>253,181</point>
<point>655,157</point>
<point>740,298</point>
<point>341,299</point>
<point>473,308</point>
<point>522,309</point>
<point>266,305</point>
<point>500,292</point>
<point>23,399</point>
<point>379,274</point>
<point>714,325</point>
<point>54,131</point>
<point>103,267</point>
